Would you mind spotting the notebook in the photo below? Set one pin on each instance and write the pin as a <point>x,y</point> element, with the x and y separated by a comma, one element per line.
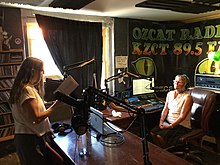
<point>97,123</point>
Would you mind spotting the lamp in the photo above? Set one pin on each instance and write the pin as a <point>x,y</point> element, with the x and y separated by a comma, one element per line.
<point>214,56</point>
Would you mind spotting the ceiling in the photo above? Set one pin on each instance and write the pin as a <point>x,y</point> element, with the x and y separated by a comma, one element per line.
<point>116,8</point>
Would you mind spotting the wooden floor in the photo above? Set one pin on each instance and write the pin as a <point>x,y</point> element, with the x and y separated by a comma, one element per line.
<point>10,159</point>
<point>8,155</point>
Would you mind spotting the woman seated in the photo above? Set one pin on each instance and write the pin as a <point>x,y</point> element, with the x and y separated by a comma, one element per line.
<point>178,105</point>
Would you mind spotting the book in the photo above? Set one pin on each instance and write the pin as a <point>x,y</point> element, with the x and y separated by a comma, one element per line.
<point>4,107</point>
<point>67,86</point>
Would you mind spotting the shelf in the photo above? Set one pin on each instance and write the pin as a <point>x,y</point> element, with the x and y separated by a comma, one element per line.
<point>12,51</point>
<point>7,125</point>
<point>9,70</point>
<point>10,63</point>
<point>5,89</point>
<point>11,57</point>
<point>5,138</point>
<point>5,113</point>
<point>7,77</point>
<point>3,102</point>
<point>7,132</point>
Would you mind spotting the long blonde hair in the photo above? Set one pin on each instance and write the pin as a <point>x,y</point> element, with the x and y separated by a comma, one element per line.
<point>23,78</point>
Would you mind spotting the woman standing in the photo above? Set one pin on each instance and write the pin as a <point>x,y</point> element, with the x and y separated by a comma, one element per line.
<point>178,105</point>
<point>30,114</point>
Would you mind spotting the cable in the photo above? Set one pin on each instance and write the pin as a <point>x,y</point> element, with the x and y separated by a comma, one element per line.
<point>112,139</point>
<point>125,129</point>
<point>130,124</point>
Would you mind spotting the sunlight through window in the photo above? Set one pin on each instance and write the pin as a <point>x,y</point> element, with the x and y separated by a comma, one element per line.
<point>38,48</point>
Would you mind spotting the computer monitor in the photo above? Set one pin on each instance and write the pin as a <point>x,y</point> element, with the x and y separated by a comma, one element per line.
<point>142,86</point>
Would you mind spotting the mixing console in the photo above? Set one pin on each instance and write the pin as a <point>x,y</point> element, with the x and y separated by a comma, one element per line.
<point>149,102</point>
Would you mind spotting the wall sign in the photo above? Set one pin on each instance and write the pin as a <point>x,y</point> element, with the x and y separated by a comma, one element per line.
<point>121,62</point>
<point>175,48</point>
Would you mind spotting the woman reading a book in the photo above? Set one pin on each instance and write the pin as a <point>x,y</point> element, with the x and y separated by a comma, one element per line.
<point>30,114</point>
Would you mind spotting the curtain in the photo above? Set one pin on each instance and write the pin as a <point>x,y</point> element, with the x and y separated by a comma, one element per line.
<point>71,43</point>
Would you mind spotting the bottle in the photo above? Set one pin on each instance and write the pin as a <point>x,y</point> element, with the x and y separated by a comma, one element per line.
<point>82,145</point>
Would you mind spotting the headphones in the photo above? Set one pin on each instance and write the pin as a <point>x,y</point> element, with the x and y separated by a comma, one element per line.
<point>62,129</point>
<point>187,81</point>
<point>79,124</point>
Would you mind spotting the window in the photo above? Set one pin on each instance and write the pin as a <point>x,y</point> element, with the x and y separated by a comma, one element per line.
<point>38,48</point>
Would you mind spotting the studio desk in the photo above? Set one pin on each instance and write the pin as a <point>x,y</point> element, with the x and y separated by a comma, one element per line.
<point>127,153</point>
<point>130,152</point>
<point>152,115</point>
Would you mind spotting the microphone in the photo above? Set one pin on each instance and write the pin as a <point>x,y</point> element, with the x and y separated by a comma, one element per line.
<point>120,74</point>
<point>171,88</point>
<point>126,74</point>
<point>162,88</point>
<point>67,99</point>
<point>80,117</point>
<point>159,88</point>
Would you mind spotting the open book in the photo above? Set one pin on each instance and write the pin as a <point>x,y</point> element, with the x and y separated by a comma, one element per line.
<point>67,86</point>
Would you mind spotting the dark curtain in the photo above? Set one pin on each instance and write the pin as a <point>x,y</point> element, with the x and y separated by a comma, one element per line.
<point>72,42</point>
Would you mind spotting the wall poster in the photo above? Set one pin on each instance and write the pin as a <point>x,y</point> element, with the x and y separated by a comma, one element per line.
<point>164,49</point>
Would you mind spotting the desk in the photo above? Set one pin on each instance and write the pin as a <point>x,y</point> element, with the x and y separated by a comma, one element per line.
<point>128,153</point>
<point>152,119</point>
<point>123,121</point>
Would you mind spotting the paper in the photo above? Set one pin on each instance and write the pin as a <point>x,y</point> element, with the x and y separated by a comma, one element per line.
<point>121,61</point>
<point>67,86</point>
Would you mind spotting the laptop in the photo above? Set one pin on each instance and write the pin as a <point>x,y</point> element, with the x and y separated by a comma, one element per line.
<point>97,123</point>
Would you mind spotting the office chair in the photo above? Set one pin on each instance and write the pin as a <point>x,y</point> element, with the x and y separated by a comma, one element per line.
<point>201,111</point>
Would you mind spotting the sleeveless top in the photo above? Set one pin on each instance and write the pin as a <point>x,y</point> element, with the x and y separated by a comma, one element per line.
<point>175,105</point>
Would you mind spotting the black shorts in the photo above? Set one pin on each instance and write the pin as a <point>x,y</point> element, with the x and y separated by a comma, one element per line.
<point>171,135</point>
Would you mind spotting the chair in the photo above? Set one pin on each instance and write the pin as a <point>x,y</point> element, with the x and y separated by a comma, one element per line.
<point>201,111</point>
<point>55,157</point>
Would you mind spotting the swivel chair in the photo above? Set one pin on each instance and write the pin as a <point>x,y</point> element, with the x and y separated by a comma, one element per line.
<point>201,111</point>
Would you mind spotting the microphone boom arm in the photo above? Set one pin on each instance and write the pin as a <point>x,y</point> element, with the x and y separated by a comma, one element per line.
<point>139,111</point>
<point>84,104</point>
<point>81,106</point>
<point>78,64</point>
<point>68,99</point>
<point>91,91</point>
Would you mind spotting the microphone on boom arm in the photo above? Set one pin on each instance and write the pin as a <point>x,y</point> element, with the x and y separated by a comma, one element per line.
<point>78,64</point>
<point>162,88</point>
<point>80,117</point>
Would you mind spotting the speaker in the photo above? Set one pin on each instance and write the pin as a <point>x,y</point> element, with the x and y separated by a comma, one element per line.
<point>62,129</point>
<point>70,4</point>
